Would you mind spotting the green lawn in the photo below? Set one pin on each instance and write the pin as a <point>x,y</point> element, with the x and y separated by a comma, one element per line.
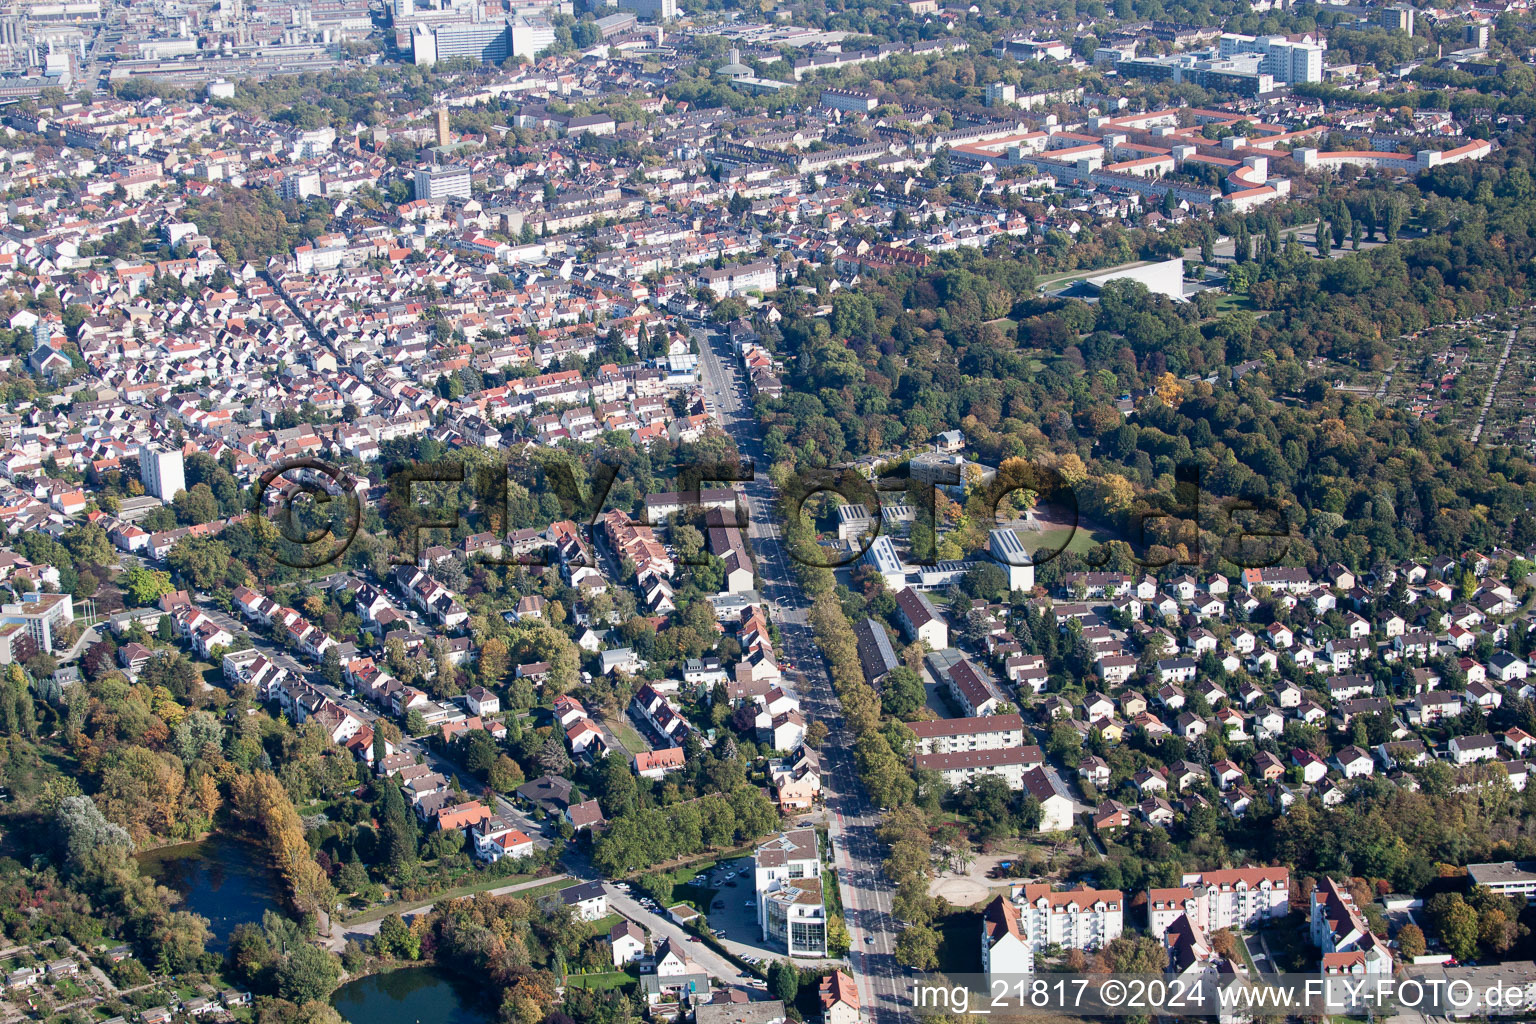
<point>626,734</point>
<point>67,989</point>
<point>607,981</point>
<point>480,885</point>
<point>1077,540</point>
<point>1226,302</point>
<point>1058,280</point>
<point>604,924</point>
<point>1242,948</point>
<point>538,892</point>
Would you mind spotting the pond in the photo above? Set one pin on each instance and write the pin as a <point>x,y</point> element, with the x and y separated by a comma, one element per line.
<point>412,995</point>
<point>223,878</point>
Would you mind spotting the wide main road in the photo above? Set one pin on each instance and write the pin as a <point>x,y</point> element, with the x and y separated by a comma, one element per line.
<point>852,817</point>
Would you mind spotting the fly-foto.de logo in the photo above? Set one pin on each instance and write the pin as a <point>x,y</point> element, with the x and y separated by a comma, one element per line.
<point>313,511</point>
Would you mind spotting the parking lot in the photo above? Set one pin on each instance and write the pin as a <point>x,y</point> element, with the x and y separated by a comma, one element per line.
<point>733,911</point>
<point>729,912</point>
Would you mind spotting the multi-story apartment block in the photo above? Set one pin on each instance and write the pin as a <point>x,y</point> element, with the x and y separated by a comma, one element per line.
<point>1035,916</point>
<point>958,735</point>
<point>161,471</point>
<point>1007,763</point>
<point>1339,930</point>
<point>1234,898</point>
<point>921,620</point>
<point>40,615</point>
<point>1077,919</point>
<point>435,184</point>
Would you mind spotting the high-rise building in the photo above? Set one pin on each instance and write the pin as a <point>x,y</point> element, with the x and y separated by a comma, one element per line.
<point>443,136</point>
<point>488,42</point>
<point>1289,61</point>
<point>1396,19</point>
<point>161,471</point>
<point>1477,35</point>
<point>529,37</point>
<point>435,184</point>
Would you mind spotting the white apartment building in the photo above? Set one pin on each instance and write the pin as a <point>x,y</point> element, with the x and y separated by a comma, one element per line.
<point>1007,763</point>
<point>1213,900</point>
<point>739,279</point>
<point>1507,878</point>
<point>434,184</point>
<point>1287,60</point>
<point>921,621</point>
<point>1035,916</point>
<point>1340,931</point>
<point>40,615</point>
<point>1005,949</point>
<point>161,471</point>
<point>958,735</point>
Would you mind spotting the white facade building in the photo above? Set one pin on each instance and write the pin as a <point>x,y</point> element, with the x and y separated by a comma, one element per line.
<point>1213,900</point>
<point>161,471</point>
<point>435,184</point>
<point>1035,916</point>
<point>791,908</point>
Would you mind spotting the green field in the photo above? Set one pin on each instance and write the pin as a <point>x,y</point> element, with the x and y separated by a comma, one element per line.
<point>606,981</point>
<point>1060,280</point>
<point>626,734</point>
<point>1077,539</point>
<point>479,885</point>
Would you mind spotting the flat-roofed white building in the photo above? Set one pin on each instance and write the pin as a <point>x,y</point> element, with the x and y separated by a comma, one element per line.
<point>882,557</point>
<point>1165,278</point>
<point>1006,547</point>
<point>1507,878</point>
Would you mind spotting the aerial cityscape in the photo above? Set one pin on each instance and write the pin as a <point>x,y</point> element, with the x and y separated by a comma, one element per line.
<point>548,512</point>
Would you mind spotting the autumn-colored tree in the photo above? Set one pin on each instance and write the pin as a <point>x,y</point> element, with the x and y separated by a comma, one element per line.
<point>1169,389</point>
<point>260,800</point>
<point>1224,942</point>
<point>1410,941</point>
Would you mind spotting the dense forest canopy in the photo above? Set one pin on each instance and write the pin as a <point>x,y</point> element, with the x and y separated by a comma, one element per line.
<point>967,343</point>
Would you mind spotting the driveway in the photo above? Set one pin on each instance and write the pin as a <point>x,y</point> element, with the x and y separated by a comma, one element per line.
<point>661,927</point>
